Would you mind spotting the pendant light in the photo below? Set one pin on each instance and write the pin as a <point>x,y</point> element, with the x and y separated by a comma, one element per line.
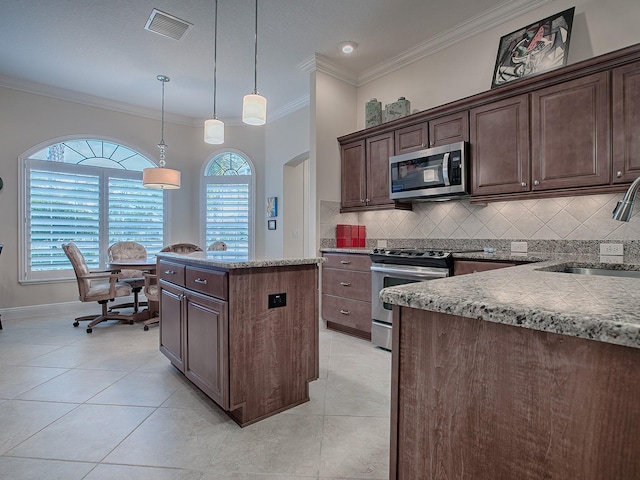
<point>214,128</point>
<point>161,177</point>
<point>254,105</point>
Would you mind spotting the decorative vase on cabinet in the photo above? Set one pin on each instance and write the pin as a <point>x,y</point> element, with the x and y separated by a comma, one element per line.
<point>373,113</point>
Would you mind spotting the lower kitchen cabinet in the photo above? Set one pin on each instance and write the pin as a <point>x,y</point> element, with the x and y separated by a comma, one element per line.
<point>206,362</point>
<point>346,293</point>
<point>473,399</point>
<point>250,354</point>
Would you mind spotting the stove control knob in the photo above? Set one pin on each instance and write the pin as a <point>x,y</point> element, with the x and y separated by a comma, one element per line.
<point>432,253</point>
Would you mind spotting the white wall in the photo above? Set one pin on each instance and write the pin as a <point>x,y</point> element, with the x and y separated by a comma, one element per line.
<point>334,115</point>
<point>27,120</point>
<point>286,138</point>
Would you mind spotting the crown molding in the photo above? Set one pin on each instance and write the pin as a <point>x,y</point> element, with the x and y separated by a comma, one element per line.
<point>90,100</point>
<point>325,65</point>
<point>474,26</point>
<point>289,108</point>
<point>489,19</point>
<point>281,112</point>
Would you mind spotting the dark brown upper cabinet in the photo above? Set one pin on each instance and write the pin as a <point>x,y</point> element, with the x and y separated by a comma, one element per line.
<point>439,131</point>
<point>570,130</point>
<point>626,123</point>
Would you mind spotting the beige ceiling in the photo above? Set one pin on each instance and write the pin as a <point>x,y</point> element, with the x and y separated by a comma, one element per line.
<point>81,49</point>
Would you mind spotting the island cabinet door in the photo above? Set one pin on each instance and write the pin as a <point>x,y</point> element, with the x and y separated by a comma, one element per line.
<point>171,325</point>
<point>206,363</point>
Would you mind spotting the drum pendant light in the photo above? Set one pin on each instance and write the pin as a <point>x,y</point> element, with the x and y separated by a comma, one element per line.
<point>160,177</point>
<point>214,128</point>
<point>254,105</point>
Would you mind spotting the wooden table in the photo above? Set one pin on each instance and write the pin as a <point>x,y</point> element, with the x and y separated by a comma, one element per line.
<point>146,264</point>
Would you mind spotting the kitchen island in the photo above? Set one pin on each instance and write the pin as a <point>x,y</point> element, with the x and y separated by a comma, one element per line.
<point>524,372</point>
<point>243,331</point>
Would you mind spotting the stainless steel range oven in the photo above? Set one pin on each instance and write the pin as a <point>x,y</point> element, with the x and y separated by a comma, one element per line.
<point>392,267</point>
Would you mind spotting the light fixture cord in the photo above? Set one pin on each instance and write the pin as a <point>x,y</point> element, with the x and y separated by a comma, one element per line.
<point>215,59</point>
<point>255,63</point>
<point>162,146</point>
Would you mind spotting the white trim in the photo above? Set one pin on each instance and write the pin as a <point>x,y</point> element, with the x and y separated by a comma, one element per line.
<point>91,100</point>
<point>22,202</point>
<point>252,200</point>
<point>56,310</point>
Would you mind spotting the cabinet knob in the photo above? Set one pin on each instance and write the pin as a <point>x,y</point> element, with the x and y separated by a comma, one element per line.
<point>203,281</point>
<point>536,182</point>
<point>169,272</point>
<point>431,144</point>
<point>345,262</point>
<point>618,174</point>
<point>523,184</point>
<point>345,284</point>
<point>367,200</point>
<point>422,145</point>
<point>345,312</point>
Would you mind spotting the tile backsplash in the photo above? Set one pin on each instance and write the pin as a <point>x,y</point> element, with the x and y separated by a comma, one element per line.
<point>562,218</point>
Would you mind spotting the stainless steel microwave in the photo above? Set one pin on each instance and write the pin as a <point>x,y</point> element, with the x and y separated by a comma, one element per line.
<point>432,173</point>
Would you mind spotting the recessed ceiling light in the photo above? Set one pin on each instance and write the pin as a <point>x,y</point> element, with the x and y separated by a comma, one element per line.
<point>348,47</point>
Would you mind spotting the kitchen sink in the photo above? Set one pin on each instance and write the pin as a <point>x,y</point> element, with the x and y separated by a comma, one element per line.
<point>602,271</point>
<point>592,269</point>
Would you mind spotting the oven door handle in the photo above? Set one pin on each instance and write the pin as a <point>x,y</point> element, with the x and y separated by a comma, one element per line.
<point>405,273</point>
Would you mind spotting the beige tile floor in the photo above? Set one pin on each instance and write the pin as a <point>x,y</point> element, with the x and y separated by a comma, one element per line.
<point>108,405</point>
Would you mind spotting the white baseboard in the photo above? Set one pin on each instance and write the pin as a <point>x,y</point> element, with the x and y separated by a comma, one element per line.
<point>66,309</point>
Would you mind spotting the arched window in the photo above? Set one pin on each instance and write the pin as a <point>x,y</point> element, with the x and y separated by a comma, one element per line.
<point>228,203</point>
<point>89,192</point>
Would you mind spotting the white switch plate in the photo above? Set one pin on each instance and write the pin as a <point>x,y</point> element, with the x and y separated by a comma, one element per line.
<point>611,249</point>
<point>520,247</point>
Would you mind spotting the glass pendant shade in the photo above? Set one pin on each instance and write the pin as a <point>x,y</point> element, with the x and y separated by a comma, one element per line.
<point>214,131</point>
<point>161,178</point>
<point>254,109</point>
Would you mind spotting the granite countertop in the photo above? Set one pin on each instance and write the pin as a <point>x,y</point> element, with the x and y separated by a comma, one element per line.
<point>602,308</point>
<point>230,262</point>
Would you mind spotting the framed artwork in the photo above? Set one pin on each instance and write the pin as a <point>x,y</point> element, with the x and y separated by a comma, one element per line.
<point>271,224</point>
<point>272,207</point>
<point>534,49</point>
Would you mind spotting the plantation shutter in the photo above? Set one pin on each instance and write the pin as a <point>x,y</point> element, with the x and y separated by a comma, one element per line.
<point>228,216</point>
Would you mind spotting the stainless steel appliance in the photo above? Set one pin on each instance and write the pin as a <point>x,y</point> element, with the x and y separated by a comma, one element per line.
<point>437,172</point>
<point>392,267</point>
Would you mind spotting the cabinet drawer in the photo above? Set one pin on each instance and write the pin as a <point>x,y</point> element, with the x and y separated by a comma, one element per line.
<point>171,272</point>
<point>344,311</point>
<point>344,283</point>
<point>360,262</point>
<point>209,282</point>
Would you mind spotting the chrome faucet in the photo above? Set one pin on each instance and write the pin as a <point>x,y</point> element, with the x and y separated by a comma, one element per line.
<point>624,208</point>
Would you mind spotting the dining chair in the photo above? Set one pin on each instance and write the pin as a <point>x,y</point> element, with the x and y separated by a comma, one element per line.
<point>181,248</point>
<point>151,291</point>
<point>129,251</point>
<point>92,287</point>
<point>217,247</point>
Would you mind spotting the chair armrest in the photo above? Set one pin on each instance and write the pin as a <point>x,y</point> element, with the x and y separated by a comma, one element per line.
<point>99,274</point>
<point>150,278</point>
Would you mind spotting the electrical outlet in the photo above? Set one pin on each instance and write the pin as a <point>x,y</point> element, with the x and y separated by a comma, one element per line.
<point>611,249</point>
<point>382,244</point>
<point>277,300</point>
<point>520,247</point>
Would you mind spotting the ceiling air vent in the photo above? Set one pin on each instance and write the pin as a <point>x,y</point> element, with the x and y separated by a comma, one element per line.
<point>167,25</point>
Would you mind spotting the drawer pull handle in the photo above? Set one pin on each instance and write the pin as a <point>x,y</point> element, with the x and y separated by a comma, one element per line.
<point>169,272</point>
<point>345,284</point>
<point>203,281</point>
<point>345,312</point>
<point>345,262</point>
